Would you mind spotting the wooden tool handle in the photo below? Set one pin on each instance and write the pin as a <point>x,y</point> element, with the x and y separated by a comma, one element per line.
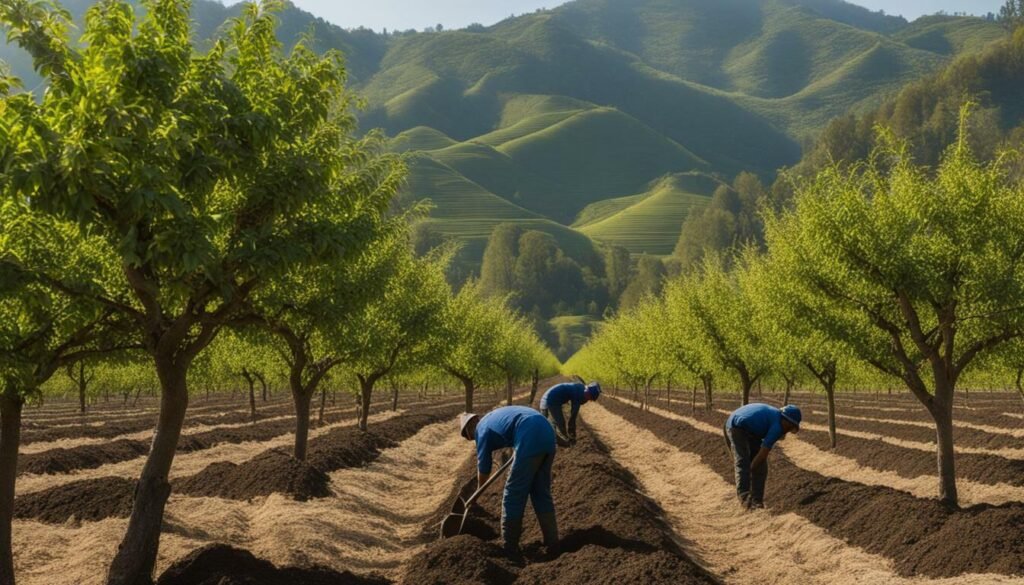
<point>489,481</point>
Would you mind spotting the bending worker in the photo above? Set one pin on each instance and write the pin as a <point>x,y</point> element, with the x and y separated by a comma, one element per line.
<point>556,397</point>
<point>751,431</point>
<point>529,434</point>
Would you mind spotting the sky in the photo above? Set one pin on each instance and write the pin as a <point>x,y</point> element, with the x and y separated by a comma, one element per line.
<point>418,14</point>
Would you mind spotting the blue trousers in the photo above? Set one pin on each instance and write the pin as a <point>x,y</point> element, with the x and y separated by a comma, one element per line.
<point>528,477</point>
<point>749,482</point>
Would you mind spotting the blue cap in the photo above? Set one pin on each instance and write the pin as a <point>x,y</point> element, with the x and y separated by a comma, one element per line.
<point>792,414</point>
<point>594,390</point>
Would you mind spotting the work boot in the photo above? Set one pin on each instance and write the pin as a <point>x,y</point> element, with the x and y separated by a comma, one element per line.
<point>549,530</point>
<point>744,499</point>
<point>511,531</point>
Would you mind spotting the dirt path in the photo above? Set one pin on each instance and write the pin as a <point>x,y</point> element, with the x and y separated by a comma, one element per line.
<point>743,547</point>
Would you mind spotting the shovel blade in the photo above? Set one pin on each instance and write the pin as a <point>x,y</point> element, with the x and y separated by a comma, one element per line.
<point>452,525</point>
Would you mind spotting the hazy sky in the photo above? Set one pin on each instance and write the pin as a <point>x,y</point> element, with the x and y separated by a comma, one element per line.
<point>404,14</point>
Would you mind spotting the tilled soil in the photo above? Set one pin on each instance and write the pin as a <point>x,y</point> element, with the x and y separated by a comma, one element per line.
<point>965,437</point>
<point>224,565</point>
<point>108,429</point>
<point>922,537</point>
<point>86,501</point>
<point>610,534</point>
<point>91,456</point>
<point>988,469</point>
<point>276,472</point>
<point>273,471</point>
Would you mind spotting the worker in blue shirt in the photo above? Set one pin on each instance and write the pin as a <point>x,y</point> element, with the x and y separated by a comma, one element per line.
<point>527,432</point>
<point>553,401</point>
<point>751,431</point>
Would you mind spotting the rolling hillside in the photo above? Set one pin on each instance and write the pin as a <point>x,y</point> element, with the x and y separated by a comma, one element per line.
<point>610,120</point>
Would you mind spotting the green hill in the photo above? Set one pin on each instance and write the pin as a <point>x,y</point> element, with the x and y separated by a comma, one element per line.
<point>597,120</point>
<point>648,223</point>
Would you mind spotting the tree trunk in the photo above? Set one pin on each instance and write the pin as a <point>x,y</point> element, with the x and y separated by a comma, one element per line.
<point>81,387</point>
<point>668,393</point>
<point>707,381</point>
<point>302,400</point>
<point>693,400</point>
<point>10,440</point>
<point>830,393</point>
<point>252,398</point>
<point>534,385</point>
<point>366,394</point>
<point>394,397</point>
<point>943,415</point>
<point>788,392</point>
<point>263,385</point>
<point>467,384</point>
<point>748,383</point>
<point>508,390</point>
<point>136,556</point>
<point>323,403</point>
<point>1020,387</point>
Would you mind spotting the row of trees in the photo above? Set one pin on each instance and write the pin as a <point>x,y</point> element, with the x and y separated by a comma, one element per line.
<point>913,271</point>
<point>156,202</point>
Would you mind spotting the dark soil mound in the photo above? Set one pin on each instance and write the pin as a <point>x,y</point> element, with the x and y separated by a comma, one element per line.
<point>610,533</point>
<point>921,536</point>
<point>219,564</point>
<point>465,560</point>
<point>84,457</point>
<point>350,447</point>
<point>273,471</point>
<point>87,501</point>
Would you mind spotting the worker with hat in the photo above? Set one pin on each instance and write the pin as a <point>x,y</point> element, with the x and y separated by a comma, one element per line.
<point>751,431</point>
<point>530,436</point>
<point>554,400</point>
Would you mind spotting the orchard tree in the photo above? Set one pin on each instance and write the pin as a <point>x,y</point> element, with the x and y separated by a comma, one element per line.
<point>396,330</point>
<point>42,329</point>
<point>205,176</point>
<point>469,341</point>
<point>244,356</point>
<point>306,315</point>
<point>683,346</point>
<point>918,272</point>
<point>726,322</point>
<point>796,344</point>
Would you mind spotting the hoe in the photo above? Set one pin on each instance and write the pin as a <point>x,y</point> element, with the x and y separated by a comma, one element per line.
<point>456,519</point>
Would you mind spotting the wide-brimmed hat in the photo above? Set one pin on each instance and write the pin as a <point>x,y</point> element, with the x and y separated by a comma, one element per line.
<point>464,421</point>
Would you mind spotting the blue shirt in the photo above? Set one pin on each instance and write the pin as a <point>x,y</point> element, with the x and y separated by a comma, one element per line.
<point>520,427</point>
<point>761,420</point>
<point>559,394</point>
